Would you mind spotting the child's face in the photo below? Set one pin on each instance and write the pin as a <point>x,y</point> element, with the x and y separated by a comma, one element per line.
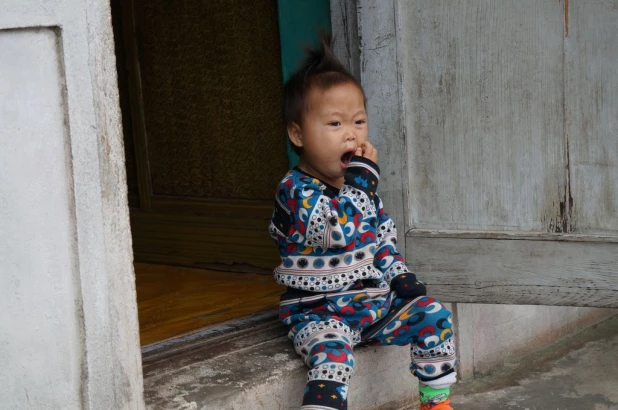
<point>333,125</point>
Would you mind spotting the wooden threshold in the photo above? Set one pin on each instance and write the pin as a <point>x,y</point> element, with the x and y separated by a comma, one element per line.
<point>174,301</point>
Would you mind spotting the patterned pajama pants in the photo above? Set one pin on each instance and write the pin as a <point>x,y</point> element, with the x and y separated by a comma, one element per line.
<point>324,337</point>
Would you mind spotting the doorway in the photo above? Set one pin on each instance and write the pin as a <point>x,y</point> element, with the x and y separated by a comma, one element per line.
<point>200,87</point>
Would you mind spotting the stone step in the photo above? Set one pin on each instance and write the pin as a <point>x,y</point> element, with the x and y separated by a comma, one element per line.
<point>257,368</point>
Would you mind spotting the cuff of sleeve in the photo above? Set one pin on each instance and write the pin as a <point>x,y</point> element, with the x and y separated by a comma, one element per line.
<point>363,174</point>
<point>398,268</point>
<point>358,161</point>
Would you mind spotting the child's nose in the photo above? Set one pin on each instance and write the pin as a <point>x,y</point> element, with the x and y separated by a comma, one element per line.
<point>350,136</point>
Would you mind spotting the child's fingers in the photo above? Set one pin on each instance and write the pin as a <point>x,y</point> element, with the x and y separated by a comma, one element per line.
<point>359,152</point>
<point>367,147</point>
<point>370,152</point>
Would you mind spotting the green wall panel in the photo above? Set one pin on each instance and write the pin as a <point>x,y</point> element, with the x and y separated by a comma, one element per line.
<point>300,24</point>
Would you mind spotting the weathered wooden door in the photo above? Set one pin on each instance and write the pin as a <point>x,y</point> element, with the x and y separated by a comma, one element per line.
<point>510,119</point>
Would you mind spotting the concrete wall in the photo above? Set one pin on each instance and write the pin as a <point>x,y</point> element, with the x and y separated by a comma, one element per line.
<point>491,336</point>
<point>40,319</point>
<point>68,323</point>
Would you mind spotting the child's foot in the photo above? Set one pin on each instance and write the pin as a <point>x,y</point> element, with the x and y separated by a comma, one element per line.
<point>443,405</point>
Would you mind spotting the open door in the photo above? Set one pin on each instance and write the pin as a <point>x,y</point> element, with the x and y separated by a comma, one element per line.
<point>201,86</point>
<point>204,85</point>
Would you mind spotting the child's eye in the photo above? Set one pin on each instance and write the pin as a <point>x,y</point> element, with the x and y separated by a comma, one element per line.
<point>360,122</point>
<point>334,123</point>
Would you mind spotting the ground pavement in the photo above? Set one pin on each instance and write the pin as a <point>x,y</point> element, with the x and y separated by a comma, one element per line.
<point>578,374</point>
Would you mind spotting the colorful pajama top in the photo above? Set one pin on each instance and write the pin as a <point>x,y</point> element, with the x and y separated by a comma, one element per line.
<point>333,240</point>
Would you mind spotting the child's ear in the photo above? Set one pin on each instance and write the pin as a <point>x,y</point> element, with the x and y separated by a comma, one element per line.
<point>295,134</point>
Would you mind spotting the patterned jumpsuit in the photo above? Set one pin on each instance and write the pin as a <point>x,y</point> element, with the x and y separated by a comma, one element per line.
<point>338,257</point>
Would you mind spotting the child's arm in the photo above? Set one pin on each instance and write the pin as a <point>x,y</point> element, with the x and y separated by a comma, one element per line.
<point>307,217</point>
<point>390,262</point>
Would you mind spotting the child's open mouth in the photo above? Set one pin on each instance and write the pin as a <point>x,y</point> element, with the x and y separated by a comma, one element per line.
<point>346,158</point>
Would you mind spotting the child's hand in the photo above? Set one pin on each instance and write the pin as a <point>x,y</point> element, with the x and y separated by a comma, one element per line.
<point>368,151</point>
<point>407,286</point>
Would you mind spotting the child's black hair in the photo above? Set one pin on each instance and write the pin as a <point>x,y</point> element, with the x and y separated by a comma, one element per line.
<point>320,69</point>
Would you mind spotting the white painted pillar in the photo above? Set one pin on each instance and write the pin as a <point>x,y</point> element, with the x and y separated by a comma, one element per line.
<point>69,335</point>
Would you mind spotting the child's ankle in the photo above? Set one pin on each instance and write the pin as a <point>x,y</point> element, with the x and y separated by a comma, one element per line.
<point>434,398</point>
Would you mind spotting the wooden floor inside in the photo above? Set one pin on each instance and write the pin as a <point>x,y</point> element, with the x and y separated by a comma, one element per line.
<point>173,300</point>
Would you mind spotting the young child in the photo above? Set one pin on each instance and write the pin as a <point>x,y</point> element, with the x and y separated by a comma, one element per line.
<point>347,285</point>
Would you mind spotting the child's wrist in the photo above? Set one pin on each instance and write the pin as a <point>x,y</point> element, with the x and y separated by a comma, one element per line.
<point>407,286</point>
<point>364,161</point>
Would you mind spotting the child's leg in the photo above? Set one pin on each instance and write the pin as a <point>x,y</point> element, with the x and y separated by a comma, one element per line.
<point>426,325</point>
<point>326,347</point>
